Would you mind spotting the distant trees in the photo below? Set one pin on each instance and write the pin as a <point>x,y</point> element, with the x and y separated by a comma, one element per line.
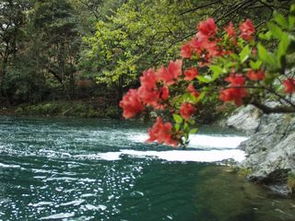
<point>12,20</point>
<point>47,46</point>
<point>149,32</point>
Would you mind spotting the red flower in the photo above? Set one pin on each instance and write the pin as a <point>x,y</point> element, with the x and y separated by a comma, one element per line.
<point>164,93</point>
<point>191,89</point>
<point>236,92</point>
<point>210,47</point>
<point>148,79</point>
<point>187,110</point>
<point>233,94</point>
<point>236,80</point>
<point>289,85</point>
<point>131,104</point>
<point>230,30</point>
<point>207,28</point>
<point>171,73</point>
<point>162,133</point>
<point>196,45</point>
<point>186,51</point>
<point>149,96</point>
<point>190,74</point>
<point>247,30</point>
<point>205,47</point>
<point>256,75</point>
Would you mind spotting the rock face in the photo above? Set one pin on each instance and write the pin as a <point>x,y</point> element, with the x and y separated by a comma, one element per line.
<point>271,147</point>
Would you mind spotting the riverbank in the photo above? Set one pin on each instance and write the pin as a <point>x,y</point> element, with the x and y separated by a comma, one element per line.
<point>64,108</point>
<point>270,149</point>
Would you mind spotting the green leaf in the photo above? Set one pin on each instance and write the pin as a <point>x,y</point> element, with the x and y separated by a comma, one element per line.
<point>201,96</point>
<point>280,19</point>
<point>194,130</point>
<point>177,118</point>
<point>255,65</point>
<point>217,71</point>
<point>187,97</point>
<point>283,46</point>
<point>177,127</point>
<point>275,30</point>
<point>205,79</point>
<point>291,20</point>
<point>266,56</point>
<point>245,53</point>
<point>265,36</point>
<point>186,127</point>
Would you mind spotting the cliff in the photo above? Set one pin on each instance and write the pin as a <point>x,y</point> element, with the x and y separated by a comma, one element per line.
<point>270,148</point>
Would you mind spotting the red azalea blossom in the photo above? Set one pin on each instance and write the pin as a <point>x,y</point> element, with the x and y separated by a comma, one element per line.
<point>175,68</point>
<point>131,104</point>
<point>164,93</point>
<point>236,80</point>
<point>207,28</point>
<point>148,96</point>
<point>211,48</point>
<point>236,92</point>
<point>233,94</point>
<point>190,74</point>
<point>186,51</point>
<point>171,73</point>
<point>230,30</point>
<point>289,85</point>
<point>256,75</point>
<point>187,110</point>
<point>196,45</point>
<point>191,89</point>
<point>162,133</point>
<point>148,79</point>
<point>247,30</point>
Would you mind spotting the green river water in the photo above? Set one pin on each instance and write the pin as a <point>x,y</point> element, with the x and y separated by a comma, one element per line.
<point>78,169</point>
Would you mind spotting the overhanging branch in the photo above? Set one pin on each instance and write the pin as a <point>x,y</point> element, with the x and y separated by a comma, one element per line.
<point>269,110</point>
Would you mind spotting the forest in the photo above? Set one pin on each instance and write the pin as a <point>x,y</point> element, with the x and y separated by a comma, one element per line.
<point>78,57</point>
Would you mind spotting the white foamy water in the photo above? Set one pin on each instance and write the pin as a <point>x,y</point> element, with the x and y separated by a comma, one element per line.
<point>178,155</point>
<point>213,148</point>
<point>201,141</point>
<point>174,155</point>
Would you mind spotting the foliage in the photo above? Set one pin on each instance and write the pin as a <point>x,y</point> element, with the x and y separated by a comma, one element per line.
<point>229,64</point>
<point>43,58</point>
<point>12,16</point>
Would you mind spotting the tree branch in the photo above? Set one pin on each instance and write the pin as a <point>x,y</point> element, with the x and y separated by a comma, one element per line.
<point>269,110</point>
<point>199,7</point>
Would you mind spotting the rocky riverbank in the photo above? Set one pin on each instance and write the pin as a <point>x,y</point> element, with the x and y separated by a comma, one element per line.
<point>270,149</point>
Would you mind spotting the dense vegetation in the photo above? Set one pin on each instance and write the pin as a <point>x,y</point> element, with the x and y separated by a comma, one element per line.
<point>231,64</point>
<point>92,51</point>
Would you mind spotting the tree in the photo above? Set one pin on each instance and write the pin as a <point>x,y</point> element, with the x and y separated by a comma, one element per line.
<point>56,42</point>
<point>229,64</point>
<point>12,20</point>
<point>145,33</point>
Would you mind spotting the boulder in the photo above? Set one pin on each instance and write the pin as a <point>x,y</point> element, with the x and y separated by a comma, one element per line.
<point>270,149</point>
<point>246,119</point>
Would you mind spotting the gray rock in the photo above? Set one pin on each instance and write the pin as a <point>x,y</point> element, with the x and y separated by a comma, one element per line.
<point>246,119</point>
<point>270,150</point>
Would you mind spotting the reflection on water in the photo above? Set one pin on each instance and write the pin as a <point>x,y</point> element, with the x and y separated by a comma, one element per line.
<point>61,169</point>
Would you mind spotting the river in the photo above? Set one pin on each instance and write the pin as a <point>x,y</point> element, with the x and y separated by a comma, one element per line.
<point>90,169</point>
